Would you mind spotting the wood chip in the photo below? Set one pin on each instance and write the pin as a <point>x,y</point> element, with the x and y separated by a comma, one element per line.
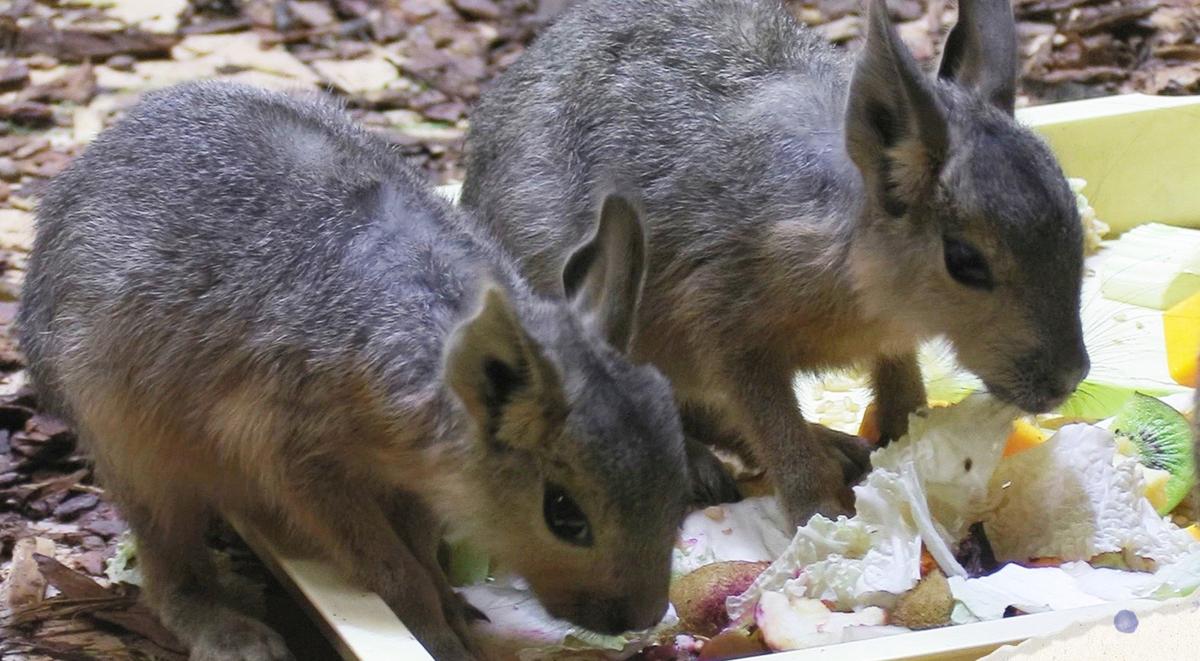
<point>217,26</point>
<point>73,507</point>
<point>90,562</point>
<point>27,113</point>
<point>357,8</point>
<point>47,425</point>
<point>14,74</point>
<point>386,26</point>
<point>46,165</point>
<point>312,14</point>
<point>30,147</point>
<point>77,85</point>
<point>841,30</point>
<point>1107,16</point>
<point>481,9</point>
<point>106,528</point>
<point>75,45</point>
<point>1083,75</point>
<point>1177,80</point>
<point>11,143</point>
<point>1189,52</point>
<point>1032,8</point>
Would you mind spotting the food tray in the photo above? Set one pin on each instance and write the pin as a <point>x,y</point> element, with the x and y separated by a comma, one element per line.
<point>1141,158</point>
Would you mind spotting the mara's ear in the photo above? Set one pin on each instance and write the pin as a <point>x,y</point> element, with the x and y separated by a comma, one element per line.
<point>981,51</point>
<point>896,130</point>
<point>499,372</point>
<point>603,277</point>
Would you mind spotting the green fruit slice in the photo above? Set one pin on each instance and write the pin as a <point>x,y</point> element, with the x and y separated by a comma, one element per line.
<point>1163,439</point>
<point>468,565</point>
<point>1096,400</point>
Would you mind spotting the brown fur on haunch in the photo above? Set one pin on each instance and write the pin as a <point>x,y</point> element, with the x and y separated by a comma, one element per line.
<point>248,306</point>
<point>804,211</point>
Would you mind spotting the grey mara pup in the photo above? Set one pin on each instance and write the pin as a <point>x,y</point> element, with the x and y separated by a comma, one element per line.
<point>247,305</point>
<point>805,210</point>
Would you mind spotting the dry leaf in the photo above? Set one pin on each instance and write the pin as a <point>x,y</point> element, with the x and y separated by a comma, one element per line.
<point>16,230</point>
<point>358,76</point>
<point>25,586</point>
<point>124,610</point>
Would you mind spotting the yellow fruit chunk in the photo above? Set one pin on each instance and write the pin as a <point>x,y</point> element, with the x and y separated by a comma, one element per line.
<point>1181,326</point>
<point>1194,529</point>
<point>1024,436</point>
<point>1156,487</point>
<point>1127,448</point>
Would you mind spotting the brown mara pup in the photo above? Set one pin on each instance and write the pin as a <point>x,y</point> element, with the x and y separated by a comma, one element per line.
<point>804,210</point>
<point>247,305</point>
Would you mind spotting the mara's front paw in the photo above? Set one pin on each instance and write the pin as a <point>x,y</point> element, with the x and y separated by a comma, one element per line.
<point>235,637</point>
<point>819,489</point>
<point>853,453</point>
<point>711,483</point>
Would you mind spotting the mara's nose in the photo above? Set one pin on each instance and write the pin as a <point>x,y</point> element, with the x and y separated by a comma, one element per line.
<point>648,615</point>
<point>1078,371</point>
<point>621,615</point>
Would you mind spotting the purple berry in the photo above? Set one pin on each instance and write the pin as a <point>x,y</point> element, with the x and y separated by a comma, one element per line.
<point>1125,621</point>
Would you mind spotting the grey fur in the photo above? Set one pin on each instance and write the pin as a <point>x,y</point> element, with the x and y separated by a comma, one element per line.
<point>245,303</point>
<point>797,202</point>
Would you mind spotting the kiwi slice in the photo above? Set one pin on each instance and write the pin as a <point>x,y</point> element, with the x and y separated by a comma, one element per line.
<point>1163,439</point>
<point>1097,400</point>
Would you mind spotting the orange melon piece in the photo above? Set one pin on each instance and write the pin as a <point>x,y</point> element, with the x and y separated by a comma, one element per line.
<point>1024,436</point>
<point>1181,326</point>
<point>869,427</point>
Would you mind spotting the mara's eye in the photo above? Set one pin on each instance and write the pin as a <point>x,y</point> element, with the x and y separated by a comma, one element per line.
<point>564,518</point>
<point>967,265</point>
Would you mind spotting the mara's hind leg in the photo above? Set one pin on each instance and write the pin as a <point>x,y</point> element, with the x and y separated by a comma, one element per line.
<point>712,484</point>
<point>181,585</point>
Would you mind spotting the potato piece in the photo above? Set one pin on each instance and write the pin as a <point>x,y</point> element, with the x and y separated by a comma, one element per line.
<point>699,597</point>
<point>926,606</point>
<point>733,644</point>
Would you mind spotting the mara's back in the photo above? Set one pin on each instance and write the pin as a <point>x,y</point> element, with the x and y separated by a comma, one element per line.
<point>709,109</point>
<point>806,211</point>
<point>188,245</point>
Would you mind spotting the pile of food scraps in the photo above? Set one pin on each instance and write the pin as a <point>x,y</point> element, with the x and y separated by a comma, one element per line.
<point>955,524</point>
<point>980,513</point>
